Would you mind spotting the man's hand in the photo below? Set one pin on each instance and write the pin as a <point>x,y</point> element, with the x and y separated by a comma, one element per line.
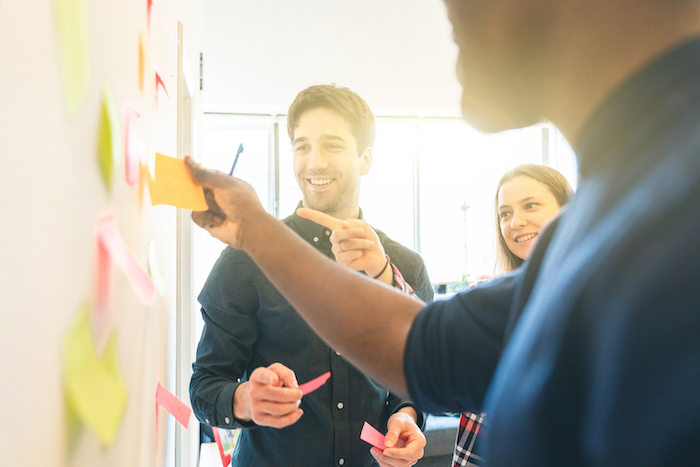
<point>355,244</point>
<point>401,431</point>
<point>263,400</point>
<point>232,204</point>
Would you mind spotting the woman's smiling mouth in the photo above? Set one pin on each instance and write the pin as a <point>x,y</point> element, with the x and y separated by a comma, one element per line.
<point>524,238</point>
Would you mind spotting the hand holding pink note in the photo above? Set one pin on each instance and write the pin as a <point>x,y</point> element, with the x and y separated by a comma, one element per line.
<point>315,383</point>
<point>372,436</point>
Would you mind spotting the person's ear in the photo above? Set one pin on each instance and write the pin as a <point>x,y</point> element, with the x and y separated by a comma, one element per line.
<point>366,161</point>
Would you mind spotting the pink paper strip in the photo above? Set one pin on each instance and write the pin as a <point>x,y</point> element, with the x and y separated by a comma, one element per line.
<point>172,404</point>
<point>131,148</point>
<point>159,82</point>
<point>120,254</point>
<point>372,436</point>
<point>102,318</point>
<point>149,5</point>
<point>225,458</point>
<point>315,383</point>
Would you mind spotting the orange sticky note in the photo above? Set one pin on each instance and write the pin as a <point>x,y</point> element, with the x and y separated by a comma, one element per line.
<point>172,404</point>
<point>172,185</point>
<point>142,60</point>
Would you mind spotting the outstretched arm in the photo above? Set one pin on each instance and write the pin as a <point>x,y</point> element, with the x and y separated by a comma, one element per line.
<point>366,321</point>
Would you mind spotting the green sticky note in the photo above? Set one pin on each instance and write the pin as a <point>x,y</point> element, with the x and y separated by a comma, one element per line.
<point>71,25</point>
<point>95,389</point>
<point>107,140</point>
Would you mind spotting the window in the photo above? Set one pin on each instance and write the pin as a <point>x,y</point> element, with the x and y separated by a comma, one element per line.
<point>431,186</point>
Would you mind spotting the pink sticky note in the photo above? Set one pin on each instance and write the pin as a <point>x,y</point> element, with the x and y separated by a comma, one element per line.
<point>315,383</point>
<point>372,436</point>
<point>102,318</point>
<point>109,237</point>
<point>149,5</point>
<point>131,147</point>
<point>172,404</point>
<point>159,82</point>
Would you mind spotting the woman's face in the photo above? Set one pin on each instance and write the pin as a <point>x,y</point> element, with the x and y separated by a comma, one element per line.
<point>525,206</point>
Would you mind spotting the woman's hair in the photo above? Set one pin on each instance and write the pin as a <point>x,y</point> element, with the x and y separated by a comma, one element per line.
<point>506,261</point>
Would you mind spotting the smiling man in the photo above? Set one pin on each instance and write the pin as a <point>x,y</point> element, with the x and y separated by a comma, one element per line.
<point>255,348</point>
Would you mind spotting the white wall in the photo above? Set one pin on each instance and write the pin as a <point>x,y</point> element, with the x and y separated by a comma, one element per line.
<point>397,54</point>
<point>51,195</point>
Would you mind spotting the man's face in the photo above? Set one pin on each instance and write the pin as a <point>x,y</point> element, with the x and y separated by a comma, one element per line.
<point>503,48</point>
<point>327,164</point>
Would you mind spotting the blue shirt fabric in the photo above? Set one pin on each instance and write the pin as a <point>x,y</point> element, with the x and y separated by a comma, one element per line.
<point>249,324</point>
<point>602,358</point>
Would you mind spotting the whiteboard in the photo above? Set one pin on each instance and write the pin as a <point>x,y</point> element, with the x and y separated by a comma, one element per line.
<point>52,196</point>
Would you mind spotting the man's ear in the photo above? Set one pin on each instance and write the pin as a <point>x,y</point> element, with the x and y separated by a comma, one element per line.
<point>366,160</point>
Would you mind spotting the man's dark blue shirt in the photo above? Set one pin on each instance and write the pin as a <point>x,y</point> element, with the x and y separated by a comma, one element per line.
<point>601,364</point>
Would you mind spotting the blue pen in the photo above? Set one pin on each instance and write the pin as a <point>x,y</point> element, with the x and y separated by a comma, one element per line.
<point>238,153</point>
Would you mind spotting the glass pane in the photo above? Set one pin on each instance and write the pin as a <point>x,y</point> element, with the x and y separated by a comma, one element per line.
<point>387,190</point>
<point>222,135</point>
<point>459,170</point>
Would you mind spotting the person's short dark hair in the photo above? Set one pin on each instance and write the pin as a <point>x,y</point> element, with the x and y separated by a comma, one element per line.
<point>345,102</point>
<point>557,184</point>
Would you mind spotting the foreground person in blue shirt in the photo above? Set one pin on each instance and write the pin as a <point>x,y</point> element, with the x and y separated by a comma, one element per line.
<point>595,359</point>
<point>254,341</point>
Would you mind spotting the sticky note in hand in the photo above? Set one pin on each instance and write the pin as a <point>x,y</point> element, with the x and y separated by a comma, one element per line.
<point>173,185</point>
<point>315,383</point>
<point>372,436</point>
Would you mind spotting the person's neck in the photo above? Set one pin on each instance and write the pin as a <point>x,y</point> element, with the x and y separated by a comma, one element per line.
<point>593,61</point>
<point>352,212</point>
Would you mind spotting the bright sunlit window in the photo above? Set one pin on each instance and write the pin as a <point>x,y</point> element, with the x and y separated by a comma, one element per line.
<point>431,186</point>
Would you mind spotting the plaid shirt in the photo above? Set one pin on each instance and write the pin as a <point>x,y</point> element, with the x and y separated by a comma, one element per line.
<point>401,284</point>
<point>469,426</point>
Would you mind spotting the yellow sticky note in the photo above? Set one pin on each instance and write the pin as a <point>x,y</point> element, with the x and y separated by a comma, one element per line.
<point>107,139</point>
<point>94,386</point>
<point>71,25</point>
<point>172,185</point>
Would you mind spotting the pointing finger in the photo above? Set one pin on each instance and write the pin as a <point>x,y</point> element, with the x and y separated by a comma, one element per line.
<point>322,218</point>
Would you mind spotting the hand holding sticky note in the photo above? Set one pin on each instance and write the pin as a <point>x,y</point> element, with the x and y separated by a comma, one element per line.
<point>315,383</point>
<point>372,436</point>
<point>172,185</point>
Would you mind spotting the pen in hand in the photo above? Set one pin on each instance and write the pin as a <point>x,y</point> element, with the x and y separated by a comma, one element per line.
<point>238,153</point>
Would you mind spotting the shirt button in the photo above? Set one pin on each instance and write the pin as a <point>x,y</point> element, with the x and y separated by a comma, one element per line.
<point>328,232</point>
<point>340,405</point>
<point>206,420</point>
<point>337,353</point>
<point>227,420</point>
<point>341,461</point>
<point>315,239</point>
